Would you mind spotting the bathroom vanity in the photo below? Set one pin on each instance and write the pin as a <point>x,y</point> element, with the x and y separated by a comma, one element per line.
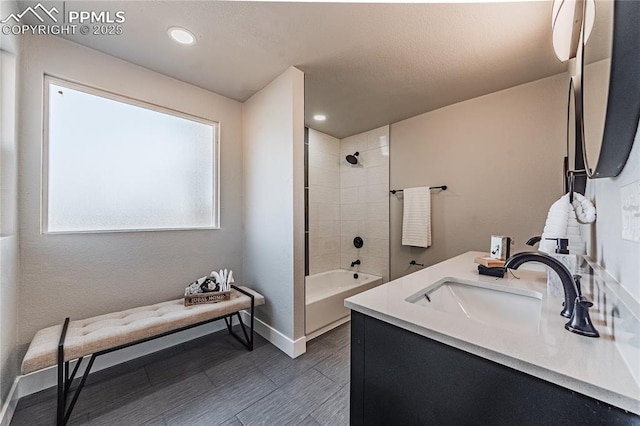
<point>503,357</point>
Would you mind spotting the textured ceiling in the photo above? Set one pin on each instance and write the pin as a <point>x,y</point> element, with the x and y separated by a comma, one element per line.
<point>365,65</point>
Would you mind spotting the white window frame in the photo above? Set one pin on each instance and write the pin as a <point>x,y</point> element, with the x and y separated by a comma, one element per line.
<point>48,79</point>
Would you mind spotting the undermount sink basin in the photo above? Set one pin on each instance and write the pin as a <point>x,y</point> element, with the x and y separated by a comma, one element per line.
<point>508,308</point>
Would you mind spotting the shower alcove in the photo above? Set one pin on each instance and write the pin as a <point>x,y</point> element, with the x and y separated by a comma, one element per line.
<point>347,196</point>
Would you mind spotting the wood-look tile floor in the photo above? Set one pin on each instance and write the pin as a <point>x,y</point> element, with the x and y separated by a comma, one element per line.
<point>213,381</point>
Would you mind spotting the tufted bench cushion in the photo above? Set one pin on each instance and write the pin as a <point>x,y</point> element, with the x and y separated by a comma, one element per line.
<point>92,335</point>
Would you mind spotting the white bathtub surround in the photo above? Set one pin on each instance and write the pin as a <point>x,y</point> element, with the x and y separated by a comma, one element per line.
<point>364,202</point>
<point>605,368</point>
<point>416,217</point>
<point>325,298</point>
<point>324,202</point>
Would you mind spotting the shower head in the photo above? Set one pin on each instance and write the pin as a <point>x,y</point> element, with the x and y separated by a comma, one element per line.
<point>353,159</point>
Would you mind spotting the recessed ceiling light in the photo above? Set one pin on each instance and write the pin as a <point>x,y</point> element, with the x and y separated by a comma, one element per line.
<point>319,117</point>
<point>181,35</point>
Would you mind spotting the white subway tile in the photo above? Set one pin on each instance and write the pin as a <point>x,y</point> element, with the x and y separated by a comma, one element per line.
<point>322,142</point>
<point>314,175</point>
<point>378,137</point>
<point>319,176</point>
<point>378,211</point>
<point>348,227</point>
<point>377,193</point>
<point>324,161</point>
<point>328,211</point>
<point>320,246</point>
<point>376,265</point>
<point>363,228</point>
<point>363,194</point>
<point>349,195</point>
<point>353,211</point>
<point>375,157</point>
<point>378,247</point>
<point>352,144</point>
<point>350,177</point>
<point>314,211</point>
<point>331,179</point>
<point>378,229</point>
<point>378,175</point>
<point>324,194</point>
<point>325,228</point>
<point>328,262</point>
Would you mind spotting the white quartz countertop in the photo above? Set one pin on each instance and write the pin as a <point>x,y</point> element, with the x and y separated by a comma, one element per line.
<point>590,366</point>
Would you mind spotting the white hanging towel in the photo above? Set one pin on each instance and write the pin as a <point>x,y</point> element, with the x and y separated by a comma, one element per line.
<point>416,217</point>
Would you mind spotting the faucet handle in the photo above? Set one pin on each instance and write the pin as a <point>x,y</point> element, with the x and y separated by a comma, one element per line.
<point>580,322</point>
<point>576,279</point>
<point>584,302</point>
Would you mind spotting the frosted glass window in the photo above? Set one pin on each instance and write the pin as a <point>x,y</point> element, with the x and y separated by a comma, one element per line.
<point>114,164</point>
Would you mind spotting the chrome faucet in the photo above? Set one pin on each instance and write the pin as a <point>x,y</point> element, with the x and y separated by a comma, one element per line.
<point>355,262</point>
<point>575,306</point>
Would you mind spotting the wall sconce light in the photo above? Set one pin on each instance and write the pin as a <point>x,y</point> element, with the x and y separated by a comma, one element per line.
<point>566,24</point>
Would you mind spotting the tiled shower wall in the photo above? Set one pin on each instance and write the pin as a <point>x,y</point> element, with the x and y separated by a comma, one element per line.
<point>324,202</point>
<point>347,200</point>
<point>364,202</point>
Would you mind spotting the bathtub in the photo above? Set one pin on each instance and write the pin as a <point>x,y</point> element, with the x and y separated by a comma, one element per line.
<point>325,294</point>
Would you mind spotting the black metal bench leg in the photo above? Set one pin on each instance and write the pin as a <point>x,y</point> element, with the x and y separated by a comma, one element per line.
<point>244,331</point>
<point>63,413</point>
<point>63,370</point>
<point>248,337</point>
<point>76,394</point>
<point>73,375</point>
<point>229,322</point>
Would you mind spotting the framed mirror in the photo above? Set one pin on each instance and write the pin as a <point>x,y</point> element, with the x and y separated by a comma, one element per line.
<point>574,161</point>
<point>607,88</point>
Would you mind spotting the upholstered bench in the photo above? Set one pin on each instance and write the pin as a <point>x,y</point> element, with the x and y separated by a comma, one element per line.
<point>74,340</point>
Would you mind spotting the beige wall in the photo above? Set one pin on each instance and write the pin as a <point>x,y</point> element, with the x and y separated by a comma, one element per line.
<point>501,157</point>
<point>80,275</point>
<point>273,147</point>
<point>9,255</point>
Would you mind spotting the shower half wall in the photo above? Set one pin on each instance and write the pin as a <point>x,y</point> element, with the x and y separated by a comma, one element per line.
<point>344,201</point>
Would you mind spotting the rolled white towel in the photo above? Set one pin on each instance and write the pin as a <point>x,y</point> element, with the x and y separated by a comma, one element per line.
<point>562,222</point>
<point>584,208</point>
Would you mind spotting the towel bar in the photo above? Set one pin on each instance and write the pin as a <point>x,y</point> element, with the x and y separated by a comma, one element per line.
<point>443,187</point>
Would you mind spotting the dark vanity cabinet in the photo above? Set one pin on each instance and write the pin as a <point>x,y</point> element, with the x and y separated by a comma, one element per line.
<point>401,378</point>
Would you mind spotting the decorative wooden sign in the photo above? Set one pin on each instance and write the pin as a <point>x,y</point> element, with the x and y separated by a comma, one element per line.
<point>202,298</point>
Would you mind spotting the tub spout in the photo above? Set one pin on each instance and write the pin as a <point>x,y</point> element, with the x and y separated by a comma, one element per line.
<point>355,262</point>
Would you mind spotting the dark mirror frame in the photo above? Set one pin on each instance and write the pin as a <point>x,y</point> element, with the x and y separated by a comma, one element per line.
<point>623,104</point>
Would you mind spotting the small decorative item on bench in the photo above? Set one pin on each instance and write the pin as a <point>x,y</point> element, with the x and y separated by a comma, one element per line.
<point>210,297</point>
<point>212,289</point>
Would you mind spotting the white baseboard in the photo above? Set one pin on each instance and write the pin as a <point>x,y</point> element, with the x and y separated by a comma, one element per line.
<point>9,406</point>
<point>293,348</point>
